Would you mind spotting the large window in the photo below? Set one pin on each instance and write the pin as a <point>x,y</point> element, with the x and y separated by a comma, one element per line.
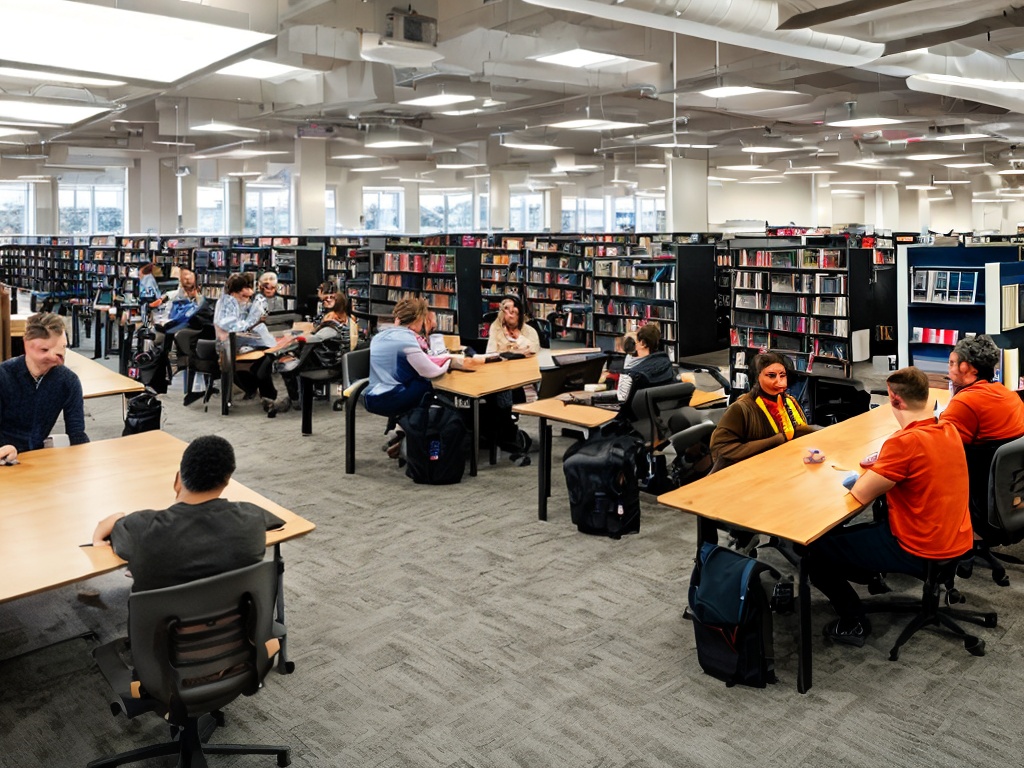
<point>382,209</point>
<point>15,208</point>
<point>87,209</point>
<point>210,202</point>
<point>446,211</point>
<point>583,214</point>
<point>267,210</point>
<point>483,211</point>
<point>526,212</point>
<point>625,214</point>
<point>650,212</point>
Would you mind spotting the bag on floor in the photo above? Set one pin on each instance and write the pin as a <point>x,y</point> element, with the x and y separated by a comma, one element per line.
<point>732,620</point>
<point>601,475</point>
<point>144,413</point>
<point>435,442</point>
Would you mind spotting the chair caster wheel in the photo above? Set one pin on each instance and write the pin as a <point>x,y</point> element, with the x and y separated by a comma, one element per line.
<point>894,654</point>
<point>965,569</point>
<point>1000,578</point>
<point>338,405</point>
<point>975,646</point>
<point>953,597</point>
<point>990,619</point>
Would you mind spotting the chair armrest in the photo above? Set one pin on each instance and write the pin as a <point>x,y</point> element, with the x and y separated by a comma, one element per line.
<point>356,388</point>
<point>691,435</point>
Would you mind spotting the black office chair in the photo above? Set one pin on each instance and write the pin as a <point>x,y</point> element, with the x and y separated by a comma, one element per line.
<point>929,613</point>
<point>355,377</point>
<point>194,649</point>
<point>836,400</point>
<point>997,510</point>
<point>197,352</point>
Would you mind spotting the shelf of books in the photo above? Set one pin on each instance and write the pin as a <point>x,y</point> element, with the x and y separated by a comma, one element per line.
<point>631,291</point>
<point>407,267</point>
<point>48,267</point>
<point>486,274</point>
<point>299,264</point>
<point>347,268</point>
<point>558,286</point>
<point>799,297</point>
<point>947,296</point>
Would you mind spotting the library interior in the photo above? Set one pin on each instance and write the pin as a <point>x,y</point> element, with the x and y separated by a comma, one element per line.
<point>497,201</point>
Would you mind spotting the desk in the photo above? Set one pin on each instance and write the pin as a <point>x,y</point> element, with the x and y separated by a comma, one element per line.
<point>554,409</point>
<point>54,498</point>
<point>98,380</point>
<point>814,501</point>
<point>486,380</point>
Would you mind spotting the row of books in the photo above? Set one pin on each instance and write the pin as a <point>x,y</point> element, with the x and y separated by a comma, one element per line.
<point>642,291</point>
<point>640,309</point>
<point>443,284</point>
<point>942,286</point>
<point>620,326</point>
<point>553,294</point>
<point>394,280</point>
<point>559,278</point>
<point>628,270</point>
<point>570,263</point>
<point>418,262</point>
<point>921,335</point>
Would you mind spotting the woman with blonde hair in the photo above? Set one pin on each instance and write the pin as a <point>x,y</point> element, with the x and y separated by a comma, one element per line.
<point>400,371</point>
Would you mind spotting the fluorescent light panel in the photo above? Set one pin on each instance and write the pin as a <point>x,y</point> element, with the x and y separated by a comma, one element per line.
<point>594,124</point>
<point>55,77</point>
<point>215,126</point>
<point>163,49</point>
<point>60,114</point>
<point>258,69</point>
<point>582,57</point>
<point>439,100</point>
<point>864,122</point>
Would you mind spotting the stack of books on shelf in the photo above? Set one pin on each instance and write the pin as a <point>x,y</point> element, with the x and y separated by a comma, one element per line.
<point>949,336</point>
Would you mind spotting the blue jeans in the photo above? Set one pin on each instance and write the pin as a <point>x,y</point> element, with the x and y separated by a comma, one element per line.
<point>398,400</point>
<point>857,553</point>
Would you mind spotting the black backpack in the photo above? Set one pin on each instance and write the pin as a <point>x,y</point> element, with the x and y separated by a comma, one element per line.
<point>435,437</point>
<point>601,475</point>
<point>732,620</point>
<point>143,413</point>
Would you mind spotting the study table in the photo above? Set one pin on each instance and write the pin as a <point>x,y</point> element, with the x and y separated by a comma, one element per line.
<point>54,498</point>
<point>98,380</point>
<point>776,493</point>
<point>557,409</point>
<point>486,380</point>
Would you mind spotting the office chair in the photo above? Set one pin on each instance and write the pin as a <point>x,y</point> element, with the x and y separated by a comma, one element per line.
<point>835,400</point>
<point>355,377</point>
<point>197,350</point>
<point>310,374</point>
<point>927,611</point>
<point>194,649</point>
<point>997,511</point>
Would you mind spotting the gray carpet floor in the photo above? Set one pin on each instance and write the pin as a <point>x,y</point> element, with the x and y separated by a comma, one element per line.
<point>449,627</point>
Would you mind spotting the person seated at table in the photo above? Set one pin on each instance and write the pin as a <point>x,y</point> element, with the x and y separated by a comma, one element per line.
<point>185,300</point>
<point>268,290</point>
<point>400,370</point>
<point>650,366</point>
<point>922,471</point>
<point>760,419</point>
<point>325,289</point>
<point>149,289</point>
<point>36,387</point>
<point>200,535</point>
<point>336,334</point>
<point>509,331</point>
<point>982,410</point>
<point>237,312</point>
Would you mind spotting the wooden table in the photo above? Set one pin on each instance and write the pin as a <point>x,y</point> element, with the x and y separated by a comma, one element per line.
<point>98,380</point>
<point>54,498</point>
<point>554,409</point>
<point>486,380</point>
<point>778,494</point>
<point>18,325</point>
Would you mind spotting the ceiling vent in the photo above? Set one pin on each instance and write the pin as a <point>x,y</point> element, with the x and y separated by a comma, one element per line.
<point>409,40</point>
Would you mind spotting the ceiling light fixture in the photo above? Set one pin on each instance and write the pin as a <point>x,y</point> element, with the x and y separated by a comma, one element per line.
<point>581,57</point>
<point>215,126</point>
<point>439,100</point>
<point>259,69</point>
<point>852,121</point>
<point>56,77</point>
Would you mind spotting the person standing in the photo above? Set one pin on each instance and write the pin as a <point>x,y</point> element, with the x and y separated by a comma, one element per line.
<point>36,387</point>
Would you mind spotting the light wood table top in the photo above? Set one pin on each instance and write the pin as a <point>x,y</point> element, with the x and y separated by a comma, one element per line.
<point>777,493</point>
<point>490,377</point>
<point>54,498</point>
<point>556,409</point>
<point>98,380</point>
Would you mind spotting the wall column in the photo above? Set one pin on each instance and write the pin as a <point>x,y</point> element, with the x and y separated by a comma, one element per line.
<point>234,205</point>
<point>188,192</point>
<point>308,185</point>
<point>498,201</point>
<point>686,199</point>
<point>47,208</point>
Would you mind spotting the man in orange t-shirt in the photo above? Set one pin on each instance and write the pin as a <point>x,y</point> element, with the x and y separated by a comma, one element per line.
<point>982,410</point>
<point>922,471</point>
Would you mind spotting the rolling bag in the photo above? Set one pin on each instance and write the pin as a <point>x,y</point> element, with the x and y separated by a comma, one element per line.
<point>601,475</point>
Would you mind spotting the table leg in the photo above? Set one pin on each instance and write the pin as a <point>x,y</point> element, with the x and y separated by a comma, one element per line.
<point>474,447</point>
<point>284,666</point>
<point>803,675</point>
<point>546,437</point>
<point>543,470</point>
<point>97,351</point>
<point>306,397</point>
<point>350,434</point>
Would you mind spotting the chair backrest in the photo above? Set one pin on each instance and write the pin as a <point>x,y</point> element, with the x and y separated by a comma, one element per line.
<point>569,377</point>
<point>198,646</point>
<point>355,365</point>
<point>650,408</point>
<point>1006,491</point>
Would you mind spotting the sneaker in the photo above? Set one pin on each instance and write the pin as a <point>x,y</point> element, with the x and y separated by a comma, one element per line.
<point>268,404</point>
<point>848,631</point>
<point>283,405</point>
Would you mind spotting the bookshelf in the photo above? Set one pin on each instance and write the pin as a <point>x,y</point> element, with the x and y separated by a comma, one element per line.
<point>50,268</point>
<point>558,286</point>
<point>408,267</point>
<point>631,291</point>
<point>299,264</point>
<point>486,274</point>
<point>804,297</point>
<point>347,265</point>
<point>1004,317</point>
<point>943,292</point>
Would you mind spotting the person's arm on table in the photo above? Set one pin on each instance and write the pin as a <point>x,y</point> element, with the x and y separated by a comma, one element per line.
<point>8,453</point>
<point>423,365</point>
<point>101,536</point>
<point>870,486</point>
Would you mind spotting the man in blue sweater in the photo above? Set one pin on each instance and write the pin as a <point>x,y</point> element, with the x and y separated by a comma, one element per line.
<point>36,387</point>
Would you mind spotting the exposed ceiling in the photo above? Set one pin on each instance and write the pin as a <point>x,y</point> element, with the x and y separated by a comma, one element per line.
<point>938,68</point>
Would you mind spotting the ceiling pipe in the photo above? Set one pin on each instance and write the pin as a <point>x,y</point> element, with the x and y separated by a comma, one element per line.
<point>746,23</point>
